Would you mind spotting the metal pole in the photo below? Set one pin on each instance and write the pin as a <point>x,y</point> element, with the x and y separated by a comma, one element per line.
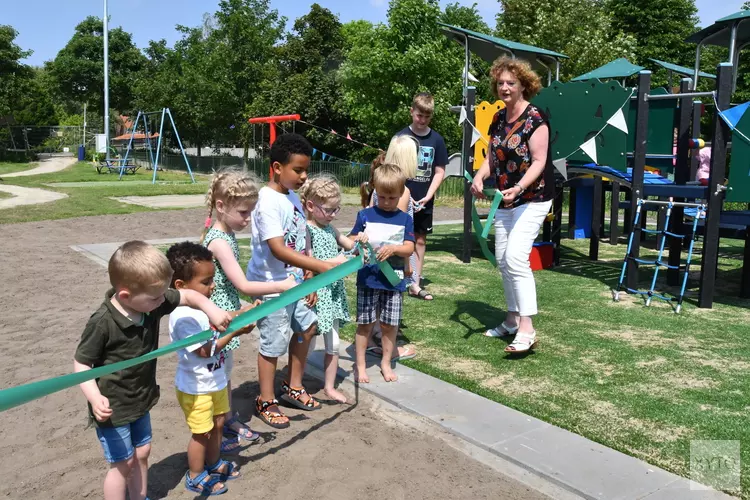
<point>678,95</point>
<point>158,144</point>
<point>639,163</point>
<point>557,70</point>
<point>84,125</point>
<point>177,134</point>
<point>106,78</point>
<point>732,42</point>
<point>697,69</point>
<point>467,160</point>
<point>719,138</point>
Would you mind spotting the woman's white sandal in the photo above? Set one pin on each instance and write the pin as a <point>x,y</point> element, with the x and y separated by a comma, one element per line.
<point>501,330</point>
<point>523,342</point>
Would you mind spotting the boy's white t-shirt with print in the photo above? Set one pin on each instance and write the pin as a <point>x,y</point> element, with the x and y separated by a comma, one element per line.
<point>275,215</point>
<point>195,375</point>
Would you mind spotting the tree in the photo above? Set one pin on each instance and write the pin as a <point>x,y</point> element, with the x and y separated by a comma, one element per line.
<point>658,26</point>
<point>188,80</point>
<point>385,68</point>
<point>305,79</point>
<point>245,33</point>
<point>580,29</point>
<point>78,69</point>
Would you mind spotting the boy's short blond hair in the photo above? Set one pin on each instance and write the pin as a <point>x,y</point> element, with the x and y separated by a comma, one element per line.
<point>424,102</point>
<point>138,266</point>
<point>389,178</point>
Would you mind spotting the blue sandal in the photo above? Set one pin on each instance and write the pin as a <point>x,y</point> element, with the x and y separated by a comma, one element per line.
<point>204,484</point>
<point>230,473</point>
<point>245,432</point>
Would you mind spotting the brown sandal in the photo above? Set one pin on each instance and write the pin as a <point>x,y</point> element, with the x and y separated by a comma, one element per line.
<point>275,419</point>
<point>293,395</point>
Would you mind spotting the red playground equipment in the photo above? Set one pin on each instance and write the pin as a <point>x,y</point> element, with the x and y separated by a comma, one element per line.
<point>272,121</point>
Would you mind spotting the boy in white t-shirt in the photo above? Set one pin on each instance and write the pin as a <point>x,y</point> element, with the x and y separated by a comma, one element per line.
<point>200,382</point>
<point>280,249</point>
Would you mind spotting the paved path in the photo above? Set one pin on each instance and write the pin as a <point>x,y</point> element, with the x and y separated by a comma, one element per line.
<point>541,455</point>
<point>46,166</point>
<point>27,196</point>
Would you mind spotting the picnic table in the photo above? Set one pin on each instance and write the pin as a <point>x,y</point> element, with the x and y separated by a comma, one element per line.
<point>116,167</point>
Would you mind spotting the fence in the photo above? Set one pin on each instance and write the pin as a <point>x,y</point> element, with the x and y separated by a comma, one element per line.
<point>348,175</point>
<point>34,140</point>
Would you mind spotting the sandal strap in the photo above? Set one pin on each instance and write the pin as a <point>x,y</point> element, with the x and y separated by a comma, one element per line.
<point>271,415</point>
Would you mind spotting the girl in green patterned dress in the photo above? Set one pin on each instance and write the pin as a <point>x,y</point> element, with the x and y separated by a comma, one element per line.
<point>321,198</point>
<point>232,197</point>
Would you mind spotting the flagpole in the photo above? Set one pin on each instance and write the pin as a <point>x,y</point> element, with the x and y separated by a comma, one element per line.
<point>106,78</point>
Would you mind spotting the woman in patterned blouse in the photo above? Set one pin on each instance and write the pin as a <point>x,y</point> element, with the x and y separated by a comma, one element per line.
<point>520,163</point>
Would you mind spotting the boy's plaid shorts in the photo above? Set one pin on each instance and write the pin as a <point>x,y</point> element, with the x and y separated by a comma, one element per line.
<point>374,304</point>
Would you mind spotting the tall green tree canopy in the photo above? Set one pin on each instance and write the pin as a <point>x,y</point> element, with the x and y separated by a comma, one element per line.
<point>581,29</point>
<point>78,69</point>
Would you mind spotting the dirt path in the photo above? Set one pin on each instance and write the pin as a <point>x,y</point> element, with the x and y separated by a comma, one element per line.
<point>46,166</point>
<point>336,453</point>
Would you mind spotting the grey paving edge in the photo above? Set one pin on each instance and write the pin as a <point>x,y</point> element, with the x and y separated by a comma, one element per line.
<point>569,461</point>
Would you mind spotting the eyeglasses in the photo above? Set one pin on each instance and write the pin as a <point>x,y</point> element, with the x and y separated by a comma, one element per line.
<point>330,212</point>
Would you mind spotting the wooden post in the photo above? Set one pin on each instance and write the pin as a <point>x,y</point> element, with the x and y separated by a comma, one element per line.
<point>639,164</point>
<point>596,219</point>
<point>557,208</point>
<point>467,157</point>
<point>614,214</point>
<point>719,137</point>
<point>681,177</point>
<point>696,133</point>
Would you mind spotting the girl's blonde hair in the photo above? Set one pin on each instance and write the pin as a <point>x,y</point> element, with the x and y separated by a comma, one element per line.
<point>320,188</point>
<point>230,185</point>
<point>403,151</point>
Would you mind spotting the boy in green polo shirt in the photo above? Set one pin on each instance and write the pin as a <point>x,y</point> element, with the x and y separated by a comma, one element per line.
<point>126,326</point>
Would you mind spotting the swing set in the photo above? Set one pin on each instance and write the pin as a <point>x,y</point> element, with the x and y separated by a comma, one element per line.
<point>142,120</point>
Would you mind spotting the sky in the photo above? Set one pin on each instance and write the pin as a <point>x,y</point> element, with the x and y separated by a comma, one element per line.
<point>45,26</point>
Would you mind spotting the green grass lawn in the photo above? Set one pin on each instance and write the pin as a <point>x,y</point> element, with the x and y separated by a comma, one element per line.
<point>645,381</point>
<point>7,168</point>
<point>91,194</point>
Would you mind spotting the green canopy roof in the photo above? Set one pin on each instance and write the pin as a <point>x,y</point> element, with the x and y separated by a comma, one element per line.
<point>619,68</point>
<point>681,69</point>
<point>490,48</point>
<point>718,33</point>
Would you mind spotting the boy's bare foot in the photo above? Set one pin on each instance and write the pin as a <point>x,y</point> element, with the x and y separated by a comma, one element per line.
<point>388,374</point>
<point>361,376</point>
<point>335,395</point>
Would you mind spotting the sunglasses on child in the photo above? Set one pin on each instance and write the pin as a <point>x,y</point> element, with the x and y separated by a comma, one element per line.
<point>330,212</point>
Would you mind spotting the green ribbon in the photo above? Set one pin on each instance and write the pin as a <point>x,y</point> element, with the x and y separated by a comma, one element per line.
<point>384,267</point>
<point>16,396</point>
<point>481,231</point>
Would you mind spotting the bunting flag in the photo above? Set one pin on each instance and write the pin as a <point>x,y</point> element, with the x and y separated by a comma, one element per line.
<point>618,121</point>
<point>348,136</point>
<point>314,151</point>
<point>589,147</point>
<point>471,77</point>
<point>325,156</point>
<point>561,165</point>
<point>334,132</point>
<point>462,115</point>
<point>475,136</point>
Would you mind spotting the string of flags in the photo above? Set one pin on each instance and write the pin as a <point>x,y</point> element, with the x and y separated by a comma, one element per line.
<point>617,120</point>
<point>330,157</point>
<point>475,134</point>
<point>348,136</point>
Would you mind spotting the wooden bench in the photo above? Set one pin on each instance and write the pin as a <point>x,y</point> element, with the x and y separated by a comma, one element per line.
<point>115,166</point>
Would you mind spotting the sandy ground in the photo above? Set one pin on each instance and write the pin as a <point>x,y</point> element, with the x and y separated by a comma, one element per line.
<point>47,452</point>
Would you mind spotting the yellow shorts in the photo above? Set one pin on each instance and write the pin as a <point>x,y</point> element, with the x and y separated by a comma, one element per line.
<point>200,409</point>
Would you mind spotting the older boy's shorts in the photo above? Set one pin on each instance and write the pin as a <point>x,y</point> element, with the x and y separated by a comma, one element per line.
<point>119,443</point>
<point>200,409</point>
<point>275,331</point>
<point>374,304</point>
